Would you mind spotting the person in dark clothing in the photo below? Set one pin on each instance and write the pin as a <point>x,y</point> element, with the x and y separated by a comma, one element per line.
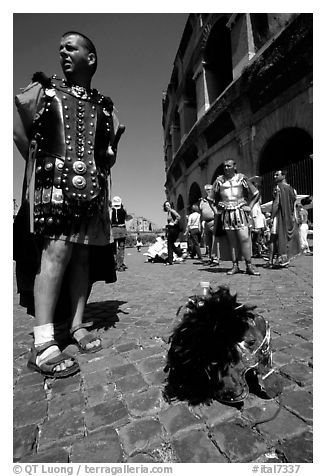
<point>284,240</point>
<point>172,231</point>
<point>119,231</point>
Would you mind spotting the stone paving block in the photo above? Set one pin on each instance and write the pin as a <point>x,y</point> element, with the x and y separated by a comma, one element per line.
<point>30,378</point>
<point>67,426</point>
<point>299,402</point>
<point>131,384</point>
<point>298,449</point>
<point>126,347</point>
<point>31,414</point>
<point>25,395</point>
<point>95,364</point>
<point>263,410</point>
<point>156,378</point>
<point>24,440</point>
<point>144,403</point>
<point>196,447</point>
<point>99,394</point>
<point>215,413</point>
<point>101,446</point>
<point>140,434</point>
<point>298,353</point>
<point>105,414</point>
<point>178,417</point>
<point>141,458</point>
<point>115,360</point>
<point>52,455</point>
<point>140,354</point>
<point>281,357</point>
<point>300,373</point>
<point>304,333</point>
<point>293,339</point>
<point>308,346</point>
<point>269,457</point>
<point>65,386</point>
<point>58,404</point>
<point>285,425</point>
<point>95,378</point>
<point>239,443</point>
<point>123,371</point>
<point>151,364</point>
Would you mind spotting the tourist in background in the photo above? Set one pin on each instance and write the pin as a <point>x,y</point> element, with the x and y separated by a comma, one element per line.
<point>119,232</point>
<point>172,231</point>
<point>193,230</point>
<point>302,219</point>
<point>207,220</point>
<point>284,242</point>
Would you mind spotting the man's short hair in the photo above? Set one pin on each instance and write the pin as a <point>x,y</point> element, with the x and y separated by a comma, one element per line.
<point>88,43</point>
<point>283,171</point>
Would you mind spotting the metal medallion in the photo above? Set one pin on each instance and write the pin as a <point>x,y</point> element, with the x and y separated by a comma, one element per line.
<point>79,182</point>
<point>79,167</point>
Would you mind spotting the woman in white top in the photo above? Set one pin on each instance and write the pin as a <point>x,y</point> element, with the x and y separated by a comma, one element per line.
<point>194,231</point>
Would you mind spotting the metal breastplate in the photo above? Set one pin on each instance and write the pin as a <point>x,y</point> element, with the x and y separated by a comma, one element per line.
<point>231,190</point>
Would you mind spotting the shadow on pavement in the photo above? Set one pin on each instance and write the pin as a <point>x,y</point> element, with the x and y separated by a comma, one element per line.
<point>104,314</point>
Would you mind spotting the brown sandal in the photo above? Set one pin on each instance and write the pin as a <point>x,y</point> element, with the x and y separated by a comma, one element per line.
<point>87,339</point>
<point>47,367</point>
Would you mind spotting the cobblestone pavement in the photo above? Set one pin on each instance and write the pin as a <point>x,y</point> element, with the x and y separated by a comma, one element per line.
<point>113,411</point>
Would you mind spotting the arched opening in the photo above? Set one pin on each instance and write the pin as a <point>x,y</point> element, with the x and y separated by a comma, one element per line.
<point>291,148</point>
<point>181,210</point>
<point>218,171</point>
<point>180,204</point>
<point>218,59</point>
<point>194,195</point>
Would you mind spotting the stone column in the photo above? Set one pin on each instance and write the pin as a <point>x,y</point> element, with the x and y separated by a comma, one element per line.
<point>201,90</point>
<point>188,116</point>
<point>242,41</point>
<point>175,138</point>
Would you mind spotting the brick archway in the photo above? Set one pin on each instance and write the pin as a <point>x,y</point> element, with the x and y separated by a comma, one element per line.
<point>289,148</point>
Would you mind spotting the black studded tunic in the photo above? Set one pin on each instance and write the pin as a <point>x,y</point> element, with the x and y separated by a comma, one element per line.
<point>68,167</point>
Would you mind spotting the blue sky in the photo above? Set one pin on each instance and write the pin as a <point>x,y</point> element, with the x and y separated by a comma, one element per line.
<point>136,52</point>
